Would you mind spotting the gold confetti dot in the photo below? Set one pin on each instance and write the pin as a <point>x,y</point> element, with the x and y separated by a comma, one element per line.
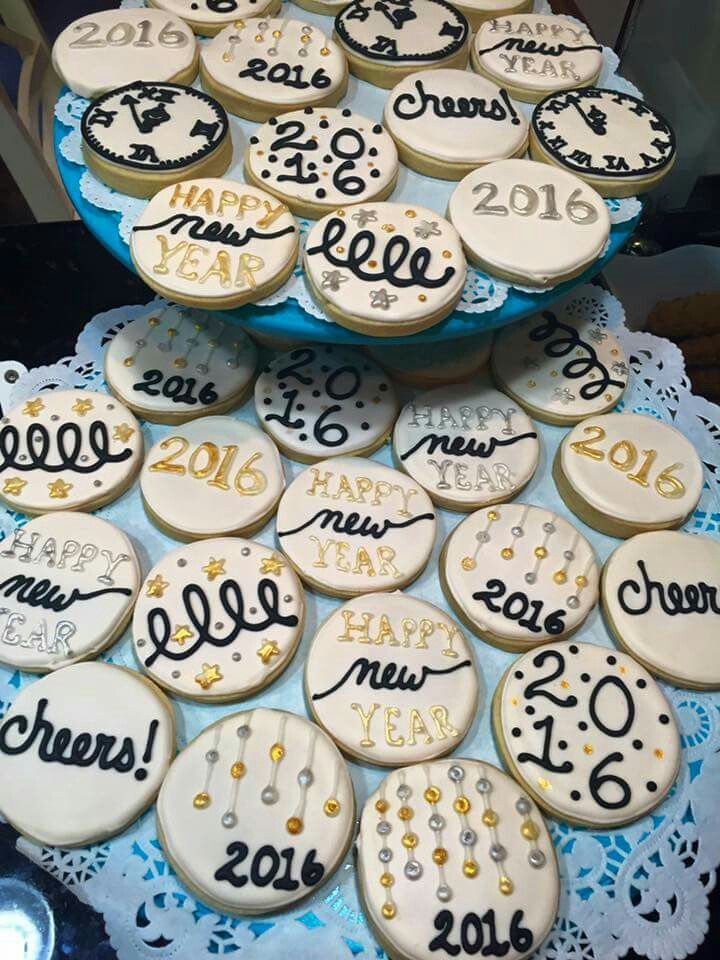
<point>589,749</point>
<point>505,886</point>
<point>439,856</point>
<point>560,576</point>
<point>581,581</point>
<point>514,701</point>
<point>388,910</point>
<point>372,263</point>
<point>544,784</point>
<point>153,321</point>
<point>387,880</point>
<point>659,753</point>
<point>323,53</point>
<point>461,805</point>
<point>493,515</point>
<point>608,397</point>
<point>553,373</point>
<point>489,818</point>
<point>564,684</point>
<point>432,794</point>
<point>294,825</point>
<point>411,214</point>
<point>339,249</point>
<point>277,34</point>
<point>447,254</point>
<point>381,806</point>
<point>331,807</point>
<point>237,770</point>
<point>507,553</point>
<point>468,563</point>
<point>277,752</point>
<point>180,363</point>
<point>201,800</point>
<point>531,384</point>
<point>530,830</point>
<point>128,362</point>
<point>422,298</point>
<point>410,841</point>
<point>405,813</point>
<point>470,868</point>
<point>388,228</point>
<point>540,553</point>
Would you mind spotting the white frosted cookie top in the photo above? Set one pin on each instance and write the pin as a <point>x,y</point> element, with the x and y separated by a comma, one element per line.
<point>353,526</point>
<point>660,592</point>
<point>83,752</point>
<point>589,732</point>
<point>473,863</point>
<point>521,573</point>
<point>257,811</point>
<point>67,449</point>
<point>107,49</point>
<point>466,444</point>
<point>530,220</point>
<point>386,262</point>
<point>212,476</point>
<point>633,468</point>
<point>392,679</point>
<point>216,13</point>
<point>324,400</point>
<point>455,115</point>
<point>67,583</point>
<point>447,362</point>
<point>537,52</point>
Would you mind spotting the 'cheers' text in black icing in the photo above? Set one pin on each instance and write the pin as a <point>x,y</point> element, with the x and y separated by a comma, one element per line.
<point>410,106</point>
<point>637,596</point>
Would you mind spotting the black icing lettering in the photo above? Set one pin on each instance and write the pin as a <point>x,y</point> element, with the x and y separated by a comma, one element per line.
<point>213,231</point>
<point>410,106</point>
<point>637,597</point>
<point>460,447</point>
<point>529,46</point>
<point>175,388</point>
<point>388,676</point>
<point>353,525</point>
<point>478,934</point>
<point>545,760</point>
<point>68,441</point>
<point>516,605</point>
<point>48,596</point>
<point>264,867</point>
<point>285,75</point>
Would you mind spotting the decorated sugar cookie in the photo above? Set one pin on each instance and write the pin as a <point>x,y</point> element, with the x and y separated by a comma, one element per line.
<point>529,223</point>
<point>260,68</point>
<point>327,7</point>
<point>626,473</point>
<point>535,54</point>
<point>325,400</point>
<point>588,732</point>
<point>112,47</point>
<point>83,752</point>
<point>561,368</point>
<point>218,620</point>
<point>447,123</point>
<point>214,243</point>
<point>351,526</point>
<point>144,136</point>
<point>208,17</point>
<point>518,575</point>
<point>385,269</point>
<point>257,812</point>
<point>392,679</point>
<point>453,855</point>
<point>478,11</point>
<point>467,445</point>
<point>448,361</point>
<point>318,159</point>
<point>67,450</point>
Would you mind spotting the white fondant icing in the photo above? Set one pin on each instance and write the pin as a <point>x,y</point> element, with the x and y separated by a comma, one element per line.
<point>217,13</point>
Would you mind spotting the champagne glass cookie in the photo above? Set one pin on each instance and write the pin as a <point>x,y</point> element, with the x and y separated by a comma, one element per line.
<point>208,17</point>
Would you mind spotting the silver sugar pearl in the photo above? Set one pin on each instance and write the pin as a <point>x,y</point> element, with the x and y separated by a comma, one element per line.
<point>549,527</point>
<point>245,552</point>
<point>568,554</point>
<point>443,893</point>
<point>212,756</point>
<point>530,577</point>
<point>517,531</point>
<point>287,598</point>
<point>384,828</point>
<point>305,777</point>
<point>483,785</point>
<point>522,805</point>
<point>233,364</point>
<point>176,674</point>
<point>182,563</point>
<point>141,643</point>
<point>202,368</point>
<point>467,837</point>
<point>436,822</point>
<point>219,625</point>
<point>536,858</point>
<point>403,792</point>
<point>252,610</point>
<point>237,657</point>
<point>229,819</point>
<point>84,458</point>
<point>54,417</point>
<point>456,773</point>
<point>269,795</point>
<point>413,870</point>
<point>140,342</point>
<point>97,483</point>
<point>385,855</point>
<point>573,603</point>
<point>497,852</point>
<point>243,732</point>
<point>482,537</point>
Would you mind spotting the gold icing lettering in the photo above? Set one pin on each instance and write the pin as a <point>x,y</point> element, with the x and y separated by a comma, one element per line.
<point>365,719</point>
<point>391,713</point>
<point>417,729</point>
<point>442,723</point>
<point>166,252</point>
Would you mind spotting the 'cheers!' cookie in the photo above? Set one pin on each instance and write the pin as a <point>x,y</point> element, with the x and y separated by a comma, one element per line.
<point>67,450</point>
<point>448,361</point>
<point>321,400</point>
<point>588,732</point>
<point>256,812</point>
<point>351,526</point>
<point>208,17</point>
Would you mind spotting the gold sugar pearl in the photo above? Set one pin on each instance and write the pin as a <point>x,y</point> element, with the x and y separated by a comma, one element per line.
<point>405,813</point>
<point>447,254</point>
<point>388,228</point>
<point>239,24</point>
<point>659,754</point>
<point>294,825</point>
<point>589,749</point>
<point>331,807</point>
<point>339,213</point>
<point>201,800</point>
<point>422,298</point>
<point>505,886</point>
<point>560,576</point>
<point>468,563</point>
<point>581,581</point>
<point>387,880</point>
<point>277,34</point>
<point>411,214</point>
<point>540,553</point>
<point>381,806</point>
<point>530,830</point>
<point>339,249</point>
<point>432,794</point>
<point>226,57</point>
<point>564,684</point>
<point>180,363</point>
<point>410,841</point>
<point>153,321</point>
<point>258,38</point>
<point>305,38</point>
<point>128,362</point>
<point>237,770</point>
<point>439,856</point>
<point>470,868</point>
<point>489,818</point>
<point>277,752</point>
<point>172,332</point>
<point>388,910</point>
<point>372,263</point>
<point>507,553</point>
<point>461,805</point>
<point>493,515</point>
<point>324,53</point>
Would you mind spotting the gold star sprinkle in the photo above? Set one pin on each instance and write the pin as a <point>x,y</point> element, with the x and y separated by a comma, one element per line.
<point>210,674</point>
<point>59,489</point>
<point>214,568</point>
<point>123,432</point>
<point>267,651</point>
<point>33,407</point>
<point>589,749</point>
<point>14,486</point>
<point>182,633</point>
<point>81,406</point>
<point>157,586</point>
<point>273,564</point>
<point>659,753</point>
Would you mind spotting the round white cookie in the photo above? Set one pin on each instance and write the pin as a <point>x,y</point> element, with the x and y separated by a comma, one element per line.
<point>528,222</point>
<point>386,269</point>
<point>207,17</point>
<point>218,620</point>
<point>214,243</point>
<point>447,123</point>
<point>325,400</point>
<point>111,47</point>
<point>67,450</point>
<point>560,368</point>
<point>519,575</point>
<point>256,812</point>
<point>535,54</point>
<point>478,11</point>
<point>626,473</point>
<point>392,679</point>
<point>451,855</point>
<point>467,445</point>
<point>449,361</point>
<point>317,159</point>
<point>212,477</point>
<point>588,732</point>
<point>326,7</point>
<point>68,583</point>
<point>83,752</point>
<point>660,600</point>
<point>351,526</point>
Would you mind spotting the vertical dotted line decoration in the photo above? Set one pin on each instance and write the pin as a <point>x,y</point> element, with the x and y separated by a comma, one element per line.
<point>436,822</point>
<point>270,794</point>
<point>541,551</point>
<point>142,342</point>
<point>482,537</point>
<point>413,868</point>
<point>202,799</point>
<point>468,837</point>
<point>530,830</point>
<point>498,853</point>
<point>385,854</point>
<point>331,807</point>
<point>237,772</point>
<point>305,778</point>
<point>229,54</point>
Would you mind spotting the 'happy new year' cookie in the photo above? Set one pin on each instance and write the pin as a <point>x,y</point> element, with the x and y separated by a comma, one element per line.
<point>351,526</point>
<point>449,361</point>
<point>256,812</point>
<point>208,17</point>
<point>83,752</point>
<point>588,732</point>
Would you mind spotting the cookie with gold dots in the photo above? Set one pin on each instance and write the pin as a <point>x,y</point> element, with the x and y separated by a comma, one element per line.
<point>453,854</point>
<point>208,17</point>
<point>257,812</point>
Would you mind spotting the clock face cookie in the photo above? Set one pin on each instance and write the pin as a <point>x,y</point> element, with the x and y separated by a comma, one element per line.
<point>144,136</point>
<point>260,68</point>
<point>83,752</point>
<point>559,367</point>
<point>212,477</point>
<point>519,575</point>
<point>208,17</point>
<point>112,47</point>
<point>467,445</point>
<point>316,160</point>
<point>392,679</point>
<point>67,587</point>
<point>626,473</point>
<point>257,811</point>
<point>351,526</point>
<point>214,243</point>
<point>528,222</point>
<point>478,11</point>
<point>610,139</point>
<point>535,54</point>
<point>451,855</point>
<point>449,361</point>
<point>325,400</point>
<point>67,450</point>
<point>447,123</point>
<point>218,620</point>
<point>588,732</point>
<point>385,269</point>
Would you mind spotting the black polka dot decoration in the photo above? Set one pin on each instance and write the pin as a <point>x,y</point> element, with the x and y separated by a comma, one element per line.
<point>637,744</point>
<point>516,731</point>
<point>651,785</point>
<point>575,795</point>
